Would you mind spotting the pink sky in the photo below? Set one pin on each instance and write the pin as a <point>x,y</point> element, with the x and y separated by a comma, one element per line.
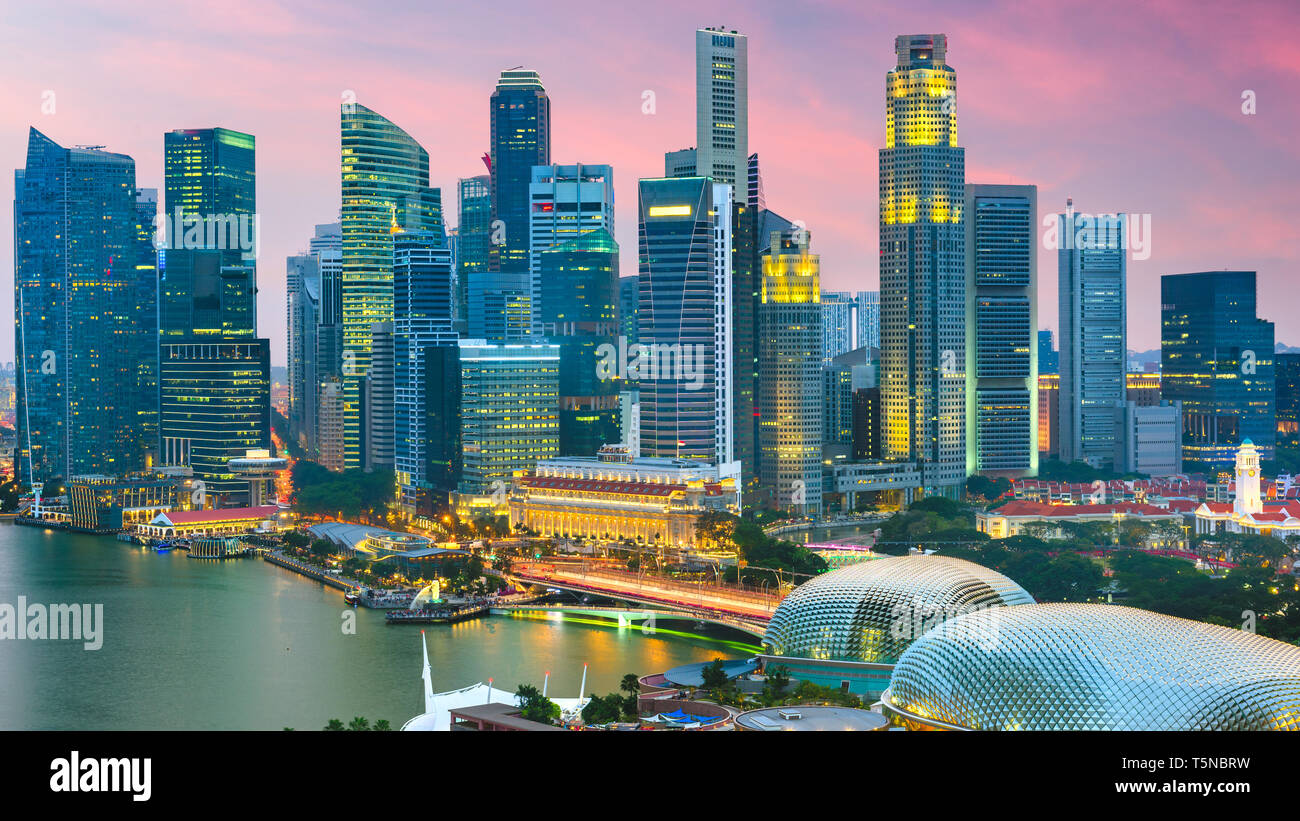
<point>1124,108</point>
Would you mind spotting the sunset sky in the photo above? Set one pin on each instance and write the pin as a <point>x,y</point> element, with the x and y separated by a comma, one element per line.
<point>1120,105</point>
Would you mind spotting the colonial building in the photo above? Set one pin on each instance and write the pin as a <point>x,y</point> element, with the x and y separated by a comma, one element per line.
<point>616,497</point>
<point>1248,512</point>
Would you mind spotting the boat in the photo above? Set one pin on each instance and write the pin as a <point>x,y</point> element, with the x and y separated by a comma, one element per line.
<point>352,597</point>
<point>163,548</point>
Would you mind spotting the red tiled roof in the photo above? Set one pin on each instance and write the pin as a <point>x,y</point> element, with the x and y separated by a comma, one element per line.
<point>230,514</point>
<point>611,486</point>
<point>1022,508</point>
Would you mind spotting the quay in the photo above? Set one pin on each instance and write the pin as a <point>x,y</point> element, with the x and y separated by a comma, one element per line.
<point>330,580</point>
<point>437,616</point>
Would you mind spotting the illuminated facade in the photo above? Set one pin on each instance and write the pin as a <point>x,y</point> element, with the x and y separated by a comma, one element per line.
<point>615,497</point>
<point>385,183</point>
<point>849,626</point>
<point>1001,316</point>
<point>922,266</point>
<point>1093,667</point>
<point>564,202</point>
<point>1216,357</point>
<point>1248,512</point>
<point>474,234</point>
<point>1091,271</point>
<point>789,342</point>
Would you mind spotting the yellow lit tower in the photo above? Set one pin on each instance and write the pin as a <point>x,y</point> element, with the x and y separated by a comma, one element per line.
<point>922,266</point>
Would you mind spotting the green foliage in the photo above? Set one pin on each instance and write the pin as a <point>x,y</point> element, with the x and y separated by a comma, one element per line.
<point>536,707</point>
<point>630,684</point>
<point>986,489</point>
<point>9,493</point>
<point>724,531</point>
<point>1054,470</point>
<point>603,710</point>
<point>932,519</point>
<point>714,676</point>
<point>334,725</point>
<point>1063,576</point>
<point>348,495</point>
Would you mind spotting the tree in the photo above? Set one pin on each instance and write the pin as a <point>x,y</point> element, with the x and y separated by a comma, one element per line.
<point>534,706</point>
<point>602,710</point>
<point>334,725</point>
<point>359,723</point>
<point>382,725</point>
<point>715,677</point>
<point>630,684</point>
<point>779,677</point>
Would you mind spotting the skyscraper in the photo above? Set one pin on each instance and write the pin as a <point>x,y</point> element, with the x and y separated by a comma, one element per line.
<point>685,312</point>
<point>565,201</point>
<point>922,266</point>
<point>1049,360</point>
<point>789,343</point>
<point>1093,318</point>
<point>81,336</point>
<point>1216,357</point>
<point>837,324</point>
<point>1001,317</point>
<point>680,163</point>
<point>215,378</point>
<point>520,139</point>
<point>578,299</point>
<point>867,323</point>
<point>422,324</point>
<point>385,184</point>
<point>722,107</point>
<point>474,229</point>
<point>1286,372</point>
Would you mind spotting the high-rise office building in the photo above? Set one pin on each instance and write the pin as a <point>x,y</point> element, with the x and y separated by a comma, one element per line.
<point>377,397</point>
<point>1216,358</point>
<point>146,325</point>
<point>564,202</point>
<point>385,184</point>
<point>867,322</point>
<point>847,374</point>
<point>1001,316</point>
<point>81,402</point>
<point>215,378</point>
<point>422,323</point>
<point>789,342</point>
<point>578,298</point>
<point>1286,379</point>
<point>315,333</point>
<point>1091,272</point>
<point>684,312</point>
<point>757,196</point>
<point>627,297</point>
<point>474,235</point>
<point>722,107</point>
<point>1049,360</point>
<point>500,302</point>
<point>745,274</point>
<point>509,410</point>
<point>922,266</point>
<point>1049,410</point>
<point>837,324</point>
<point>680,163</point>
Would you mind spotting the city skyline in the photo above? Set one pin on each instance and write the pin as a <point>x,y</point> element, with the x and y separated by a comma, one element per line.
<point>1015,122</point>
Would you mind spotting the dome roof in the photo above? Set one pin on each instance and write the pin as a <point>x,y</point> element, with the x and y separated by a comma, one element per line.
<point>1095,667</point>
<point>870,612</point>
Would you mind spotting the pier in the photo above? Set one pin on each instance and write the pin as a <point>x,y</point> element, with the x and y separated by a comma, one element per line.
<point>328,579</point>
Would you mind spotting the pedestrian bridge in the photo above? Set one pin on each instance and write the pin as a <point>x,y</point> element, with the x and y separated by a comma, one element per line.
<point>646,617</point>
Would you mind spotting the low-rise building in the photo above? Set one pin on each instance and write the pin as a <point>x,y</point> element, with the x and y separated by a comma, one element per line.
<point>1011,518</point>
<point>230,521</point>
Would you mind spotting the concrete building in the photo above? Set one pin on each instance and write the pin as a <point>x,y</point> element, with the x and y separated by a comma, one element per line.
<point>1149,439</point>
<point>722,106</point>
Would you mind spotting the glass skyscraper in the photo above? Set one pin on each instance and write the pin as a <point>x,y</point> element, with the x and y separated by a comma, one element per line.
<point>474,230</point>
<point>837,324</point>
<point>923,266</point>
<point>684,311</point>
<point>1091,274</point>
<point>578,300</point>
<point>1216,357</point>
<point>722,107</point>
<point>385,184</point>
<point>1001,316</point>
<point>564,201</point>
<point>82,338</point>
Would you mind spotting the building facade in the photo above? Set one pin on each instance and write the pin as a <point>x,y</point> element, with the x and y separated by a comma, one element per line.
<point>722,106</point>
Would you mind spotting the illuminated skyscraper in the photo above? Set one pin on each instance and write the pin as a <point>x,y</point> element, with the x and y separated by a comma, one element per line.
<point>1001,317</point>
<point>789,345</point>
<point>722,107</point>
<point>81,338</point>
<point>922,266</point>
<point>1093,316</point>
<point>564,202</point>
<point>385,184</point>
<point>837,324</point>
<point>473,229</point>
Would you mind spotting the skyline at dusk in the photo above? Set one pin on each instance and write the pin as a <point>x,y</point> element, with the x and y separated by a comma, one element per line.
<point>1125,109</point>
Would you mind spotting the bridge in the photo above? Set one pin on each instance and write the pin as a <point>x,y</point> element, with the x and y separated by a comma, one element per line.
<point>627,616</point>
<point>704,601</point>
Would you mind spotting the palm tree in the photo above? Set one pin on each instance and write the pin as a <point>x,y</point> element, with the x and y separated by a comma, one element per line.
<point>359,723</point>
<point>381,725</point>
<point>334,724</point>
<point>630,684</point>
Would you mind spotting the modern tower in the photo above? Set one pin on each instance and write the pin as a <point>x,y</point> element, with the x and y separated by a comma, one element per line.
<point>474,229</point>
<point>867,323</point>
<point>1001,316</point>
<point>315,334</point>
<point>837,324</point>
<point>422,331</point>
<point>922,266</point>
<point>1091,272</point>
<point>385,185</point>
<point>722,107</point>
<point>81,337</point>
<point>578,297</point>
<point>1216,357</point>
<point>789,345</point>
<point>565,201</point>
<point>684,319</point>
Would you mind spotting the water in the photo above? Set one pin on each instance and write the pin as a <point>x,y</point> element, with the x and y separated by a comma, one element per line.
<point>243,644</point>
